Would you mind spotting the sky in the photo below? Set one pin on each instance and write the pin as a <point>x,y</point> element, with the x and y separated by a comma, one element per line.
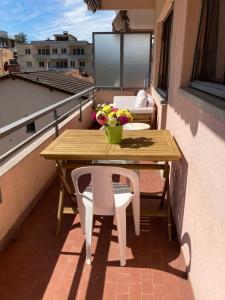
<point>40,19</point>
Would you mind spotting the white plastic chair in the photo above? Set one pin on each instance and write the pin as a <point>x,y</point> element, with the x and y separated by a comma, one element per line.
<point>106,198</point>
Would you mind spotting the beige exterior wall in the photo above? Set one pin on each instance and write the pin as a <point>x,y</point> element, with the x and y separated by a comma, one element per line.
<point>198,179</point>
<point>34,58</point>
<point>5,55</point>
<point>106,96</point>
<point>28,98</point>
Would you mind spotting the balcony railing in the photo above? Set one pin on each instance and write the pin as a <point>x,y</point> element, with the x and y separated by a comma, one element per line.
<point>8,129</point>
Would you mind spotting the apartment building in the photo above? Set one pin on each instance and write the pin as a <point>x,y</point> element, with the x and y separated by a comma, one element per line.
<point>7,54</point>
<point>61,53</point>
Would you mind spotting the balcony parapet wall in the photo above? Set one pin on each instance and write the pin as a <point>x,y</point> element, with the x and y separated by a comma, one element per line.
<point>25,177</point>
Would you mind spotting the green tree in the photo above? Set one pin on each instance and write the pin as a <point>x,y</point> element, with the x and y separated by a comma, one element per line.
<point>21,38</point>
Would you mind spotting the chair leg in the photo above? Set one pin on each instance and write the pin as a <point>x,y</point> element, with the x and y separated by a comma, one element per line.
<point>136,215</point>
<point>88,232</point>
<point>121,227</point>
<point>81,209</point>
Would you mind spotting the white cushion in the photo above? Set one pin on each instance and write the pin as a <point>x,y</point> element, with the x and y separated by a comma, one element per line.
<point>141,92</point>
<point>150,101</point>
<point>141,99</point>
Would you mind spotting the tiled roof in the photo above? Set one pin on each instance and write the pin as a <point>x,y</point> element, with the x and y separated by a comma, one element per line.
<point>56,80</point>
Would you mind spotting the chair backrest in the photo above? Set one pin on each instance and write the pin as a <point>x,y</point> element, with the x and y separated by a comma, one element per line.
<point>102,184</point>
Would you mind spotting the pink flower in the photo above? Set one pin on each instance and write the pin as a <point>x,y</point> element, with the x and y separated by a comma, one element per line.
<point>102,120</point>
<point>123,120</point>
<point>93,116</point>
<point>114,109</point>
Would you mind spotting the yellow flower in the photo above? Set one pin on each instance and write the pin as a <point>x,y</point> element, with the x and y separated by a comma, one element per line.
<point>120,113</point>
<point>112,115</point>
<point>107,109</point>
<point>112,122</point>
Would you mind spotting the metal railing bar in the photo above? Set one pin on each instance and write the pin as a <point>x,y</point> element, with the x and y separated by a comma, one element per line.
<point>6,130</point>
<point>69,112</point>
<point>27,141</point>
<point>56,123</point>
<point>41,131</point>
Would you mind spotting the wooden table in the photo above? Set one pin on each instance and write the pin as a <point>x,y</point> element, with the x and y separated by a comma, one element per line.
<point>75,148</point>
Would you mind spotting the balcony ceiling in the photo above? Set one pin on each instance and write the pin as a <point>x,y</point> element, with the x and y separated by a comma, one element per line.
<point>127,4</point>
<point>141,19</point>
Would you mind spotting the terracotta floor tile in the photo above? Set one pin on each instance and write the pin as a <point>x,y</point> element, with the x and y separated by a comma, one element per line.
<point>146,286</point>
<point>123,283</point>
<point>37,265</point>
<point>135,291</point>
<point>135,275</point>
<point>49,294</point>
<point>122,297</point>
<point>158,277</point>
<point>159,291</point>
<point>148,297</point>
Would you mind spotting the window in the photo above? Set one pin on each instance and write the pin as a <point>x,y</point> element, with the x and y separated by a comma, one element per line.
<point>27,51</point>
<point>82,64</point>
<point>43,51</point>
<point>72,64</point>
<point>63,50</point>
<point>41,64</point>
<point>13,61</point>
<point>163,79</point>
<point>29,64</point>
<point>209,63</point>
<point>77,51</point>
<point>31,127</point>
<point>82,51</point>
<point>54,50</point>
<point>61,64</point>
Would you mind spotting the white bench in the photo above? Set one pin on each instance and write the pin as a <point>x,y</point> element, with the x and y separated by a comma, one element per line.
<point>144,114</point>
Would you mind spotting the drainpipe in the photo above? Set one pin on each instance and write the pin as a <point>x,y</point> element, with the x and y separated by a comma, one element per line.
<point>1,47</point>
<point>47,64</point>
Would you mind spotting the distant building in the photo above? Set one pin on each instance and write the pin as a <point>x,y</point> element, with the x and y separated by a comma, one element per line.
<point>6,41</point>
<point>62,53</point>
<point>25,93</point>
<point>8,62</point>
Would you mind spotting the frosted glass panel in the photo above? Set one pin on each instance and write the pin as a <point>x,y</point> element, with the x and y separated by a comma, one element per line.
<point>107,60</point>
<point>136,59</point>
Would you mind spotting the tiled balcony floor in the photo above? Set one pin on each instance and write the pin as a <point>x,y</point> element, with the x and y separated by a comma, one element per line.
<point>37,265</point>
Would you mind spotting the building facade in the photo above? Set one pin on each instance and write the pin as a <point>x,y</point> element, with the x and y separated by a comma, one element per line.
<point>7,53</point>
<point>62,53</point>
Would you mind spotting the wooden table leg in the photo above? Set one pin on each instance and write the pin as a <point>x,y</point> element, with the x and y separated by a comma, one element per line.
<point>167,174</point>
<point>60,210</point>
<point>64,190</point>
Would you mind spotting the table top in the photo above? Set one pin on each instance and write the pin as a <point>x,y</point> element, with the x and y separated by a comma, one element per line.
<point>136,126</point>
<point>145,145</point>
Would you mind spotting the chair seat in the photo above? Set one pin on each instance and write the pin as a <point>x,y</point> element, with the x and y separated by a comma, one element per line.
<point>122,196</point>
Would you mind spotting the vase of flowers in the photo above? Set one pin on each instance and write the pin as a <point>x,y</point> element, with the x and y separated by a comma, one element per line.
<point>113,120</point>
